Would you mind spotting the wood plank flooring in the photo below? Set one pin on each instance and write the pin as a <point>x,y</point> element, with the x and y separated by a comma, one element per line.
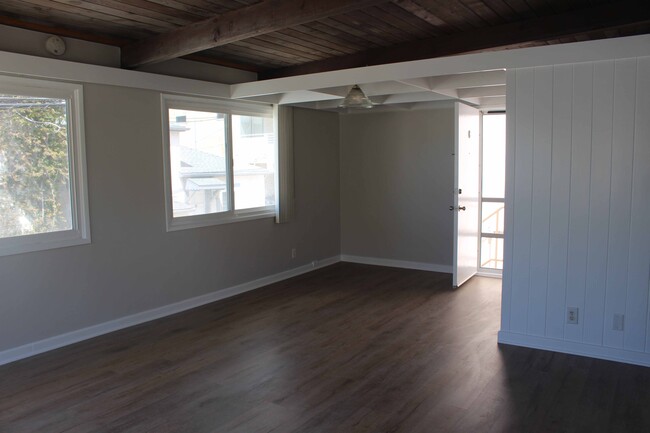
<point>348,348</point>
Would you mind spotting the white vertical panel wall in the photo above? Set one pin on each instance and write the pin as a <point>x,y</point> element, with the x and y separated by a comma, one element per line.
<point>578,209</point>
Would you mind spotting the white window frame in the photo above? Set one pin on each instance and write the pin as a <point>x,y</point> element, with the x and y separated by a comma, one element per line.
<point>229,108</point>
<point>80,232</point>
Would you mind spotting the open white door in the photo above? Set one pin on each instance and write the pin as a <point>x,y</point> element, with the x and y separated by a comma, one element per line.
<point>466,194</point>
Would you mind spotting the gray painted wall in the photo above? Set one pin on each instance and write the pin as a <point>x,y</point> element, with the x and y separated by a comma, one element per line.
<point>133,264</point>
<point>396,185</point>
<point>21,41</point>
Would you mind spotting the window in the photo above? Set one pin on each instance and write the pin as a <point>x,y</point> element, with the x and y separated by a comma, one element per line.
<point>220,161</point>
<point>43,198</point>
<point>493,190</point>
<point>251,125</point>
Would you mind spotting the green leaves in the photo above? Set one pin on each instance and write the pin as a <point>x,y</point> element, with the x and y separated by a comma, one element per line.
<point>34,166</point>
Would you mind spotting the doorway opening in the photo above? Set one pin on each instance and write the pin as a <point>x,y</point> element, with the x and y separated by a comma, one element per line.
<point>493,176</point>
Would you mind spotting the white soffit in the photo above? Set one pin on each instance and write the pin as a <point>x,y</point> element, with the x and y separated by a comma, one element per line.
<point>463,77</point>
<point>40,67</point>
<point>469,87</point>
<point>475,92</point>
<point>382,100</point>
<point>424,72</point>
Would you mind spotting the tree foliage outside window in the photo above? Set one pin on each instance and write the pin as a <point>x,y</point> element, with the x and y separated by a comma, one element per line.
<point>34,166</point>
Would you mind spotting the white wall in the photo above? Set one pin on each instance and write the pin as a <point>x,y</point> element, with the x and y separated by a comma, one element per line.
<point>396,186</point>
<point>578,208</point>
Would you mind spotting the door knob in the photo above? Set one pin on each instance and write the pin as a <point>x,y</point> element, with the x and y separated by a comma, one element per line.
<point>459,208</point>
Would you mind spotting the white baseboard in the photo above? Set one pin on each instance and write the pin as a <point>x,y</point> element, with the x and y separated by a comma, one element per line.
<point>72,337</point>
<point>575,348</point>
<point>447,269</point>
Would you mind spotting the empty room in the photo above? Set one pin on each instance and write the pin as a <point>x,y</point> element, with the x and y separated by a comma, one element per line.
<point>248,216</point>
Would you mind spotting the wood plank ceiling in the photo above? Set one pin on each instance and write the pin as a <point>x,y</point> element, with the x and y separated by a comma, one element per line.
<point>289,37</point>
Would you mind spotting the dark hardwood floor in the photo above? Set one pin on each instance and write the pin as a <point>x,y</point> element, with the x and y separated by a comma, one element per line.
<point>348,348</point>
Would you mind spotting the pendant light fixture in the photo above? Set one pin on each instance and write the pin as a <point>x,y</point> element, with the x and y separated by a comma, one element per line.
<point>356,99</point>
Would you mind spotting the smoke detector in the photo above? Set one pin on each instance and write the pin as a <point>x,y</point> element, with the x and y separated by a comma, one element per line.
<point>55,45</point>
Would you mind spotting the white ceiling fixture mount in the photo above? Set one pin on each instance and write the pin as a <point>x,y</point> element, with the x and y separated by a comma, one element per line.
<point>55,45</point>
<point>356,99</point>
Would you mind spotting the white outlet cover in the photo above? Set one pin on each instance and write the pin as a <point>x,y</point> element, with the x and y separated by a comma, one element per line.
<point>572,315</point>
<point>618,324</point>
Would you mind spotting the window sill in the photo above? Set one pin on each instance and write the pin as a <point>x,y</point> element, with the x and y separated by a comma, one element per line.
<point>41,242</point>
<point>197,221</point>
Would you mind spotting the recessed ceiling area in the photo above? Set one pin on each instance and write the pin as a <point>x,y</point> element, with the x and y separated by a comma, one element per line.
<point>484,89</point>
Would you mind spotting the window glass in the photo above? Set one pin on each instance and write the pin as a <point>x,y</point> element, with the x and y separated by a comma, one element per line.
<point>254,162</point>
<point>197,156</point>
<point>494,155</point>
<point>492,253</point>
<point>493,190</point>
<point>35,194</point>
<point>220,161</point>
<point>492,218</point>
<point>43,192</point>
<point>252,125</point>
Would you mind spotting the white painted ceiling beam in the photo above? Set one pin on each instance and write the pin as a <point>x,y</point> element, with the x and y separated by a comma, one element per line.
<point>320,105</point>
<point>420,83</point>
<point>305,96</point>
<point>452,93</point>
<point>400,98</point>
<point>380,93</point>
<point>339,91</point>
<point>373,89</point>
<point>296,97</point>
<point>403,98</point>
<point>475,92</point>
<point>496,102</point>
<point>469,80</point>
<point>387,88</point>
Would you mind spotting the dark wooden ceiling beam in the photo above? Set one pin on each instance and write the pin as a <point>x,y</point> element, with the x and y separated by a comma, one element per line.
<point>220,61</point>
<point>483,39</point>
<point>255,20</point>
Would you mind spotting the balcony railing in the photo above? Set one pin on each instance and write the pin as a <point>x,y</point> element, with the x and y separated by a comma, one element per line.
<point>492,240</point>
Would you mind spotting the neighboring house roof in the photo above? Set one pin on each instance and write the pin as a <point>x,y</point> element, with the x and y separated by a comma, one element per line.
<point>198,163</point>
<point>202,183</point>
<point>195,161</point>
<point>178,126</point>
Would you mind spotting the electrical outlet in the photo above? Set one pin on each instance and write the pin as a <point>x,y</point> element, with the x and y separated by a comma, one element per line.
<point>618,324</point>
<point>293,253</point>
<point>572,315</point>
